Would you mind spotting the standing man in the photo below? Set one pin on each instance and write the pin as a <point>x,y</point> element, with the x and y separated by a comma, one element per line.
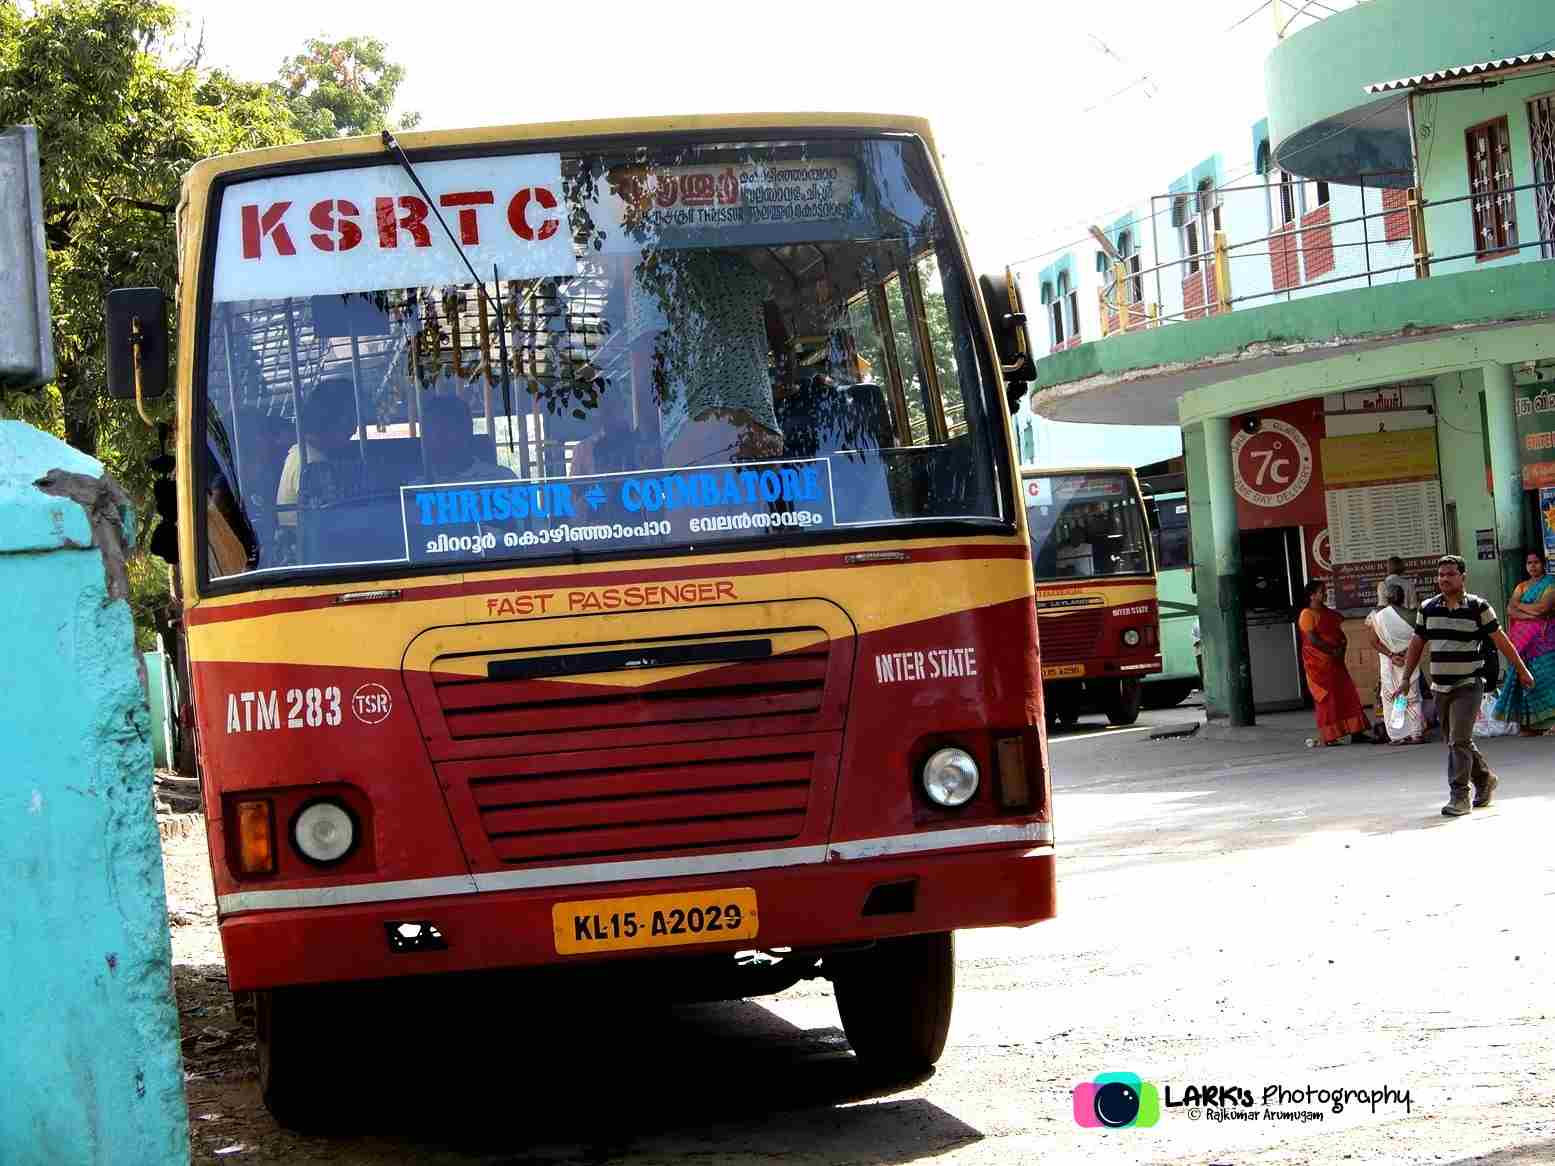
<point>1456,625</point>
<point>1396,578</point>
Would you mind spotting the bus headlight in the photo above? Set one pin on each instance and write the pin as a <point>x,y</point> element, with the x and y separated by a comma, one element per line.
<point>950,777</point>
<point>1131,637</point>
<point>325,831</point>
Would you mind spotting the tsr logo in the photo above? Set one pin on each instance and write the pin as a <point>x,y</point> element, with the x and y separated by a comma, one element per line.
<point>371,704</point>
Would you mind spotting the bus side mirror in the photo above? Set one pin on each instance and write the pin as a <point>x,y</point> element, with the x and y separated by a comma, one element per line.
<point>136,327</point>
<point>1001,297</point>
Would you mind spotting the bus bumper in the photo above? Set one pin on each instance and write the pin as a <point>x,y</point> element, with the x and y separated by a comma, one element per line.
<point>802,907</point>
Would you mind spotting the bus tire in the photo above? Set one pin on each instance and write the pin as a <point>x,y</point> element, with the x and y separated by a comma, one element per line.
<point>895,1000</point>
<point>1166,694</point>
<point>301,1089</point>
<point>1122,702</point>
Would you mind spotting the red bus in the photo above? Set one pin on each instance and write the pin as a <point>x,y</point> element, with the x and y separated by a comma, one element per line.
<point>600,547</point>
<point>1095,590</point>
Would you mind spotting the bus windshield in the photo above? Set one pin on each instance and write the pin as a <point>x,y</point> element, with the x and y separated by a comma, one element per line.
<point>1086,524</point>
<point>677,345</point>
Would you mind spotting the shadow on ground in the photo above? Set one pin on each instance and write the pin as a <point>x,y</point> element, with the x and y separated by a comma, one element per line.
<point>1533,1154</point>
<point>504,1070</point>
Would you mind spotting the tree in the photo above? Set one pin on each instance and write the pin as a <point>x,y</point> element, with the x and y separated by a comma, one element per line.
<point>340,88</point>
<point>117,129</point>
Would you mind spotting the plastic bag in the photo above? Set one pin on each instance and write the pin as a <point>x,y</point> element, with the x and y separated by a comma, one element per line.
<point>1485,722</point>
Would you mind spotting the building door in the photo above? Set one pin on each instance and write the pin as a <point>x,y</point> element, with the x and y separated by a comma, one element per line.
<point>1541,132</point>
<point>1271,576</point>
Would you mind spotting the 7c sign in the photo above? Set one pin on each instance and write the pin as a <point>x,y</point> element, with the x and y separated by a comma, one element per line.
<point>336,231</point>
<point>1272,466</point>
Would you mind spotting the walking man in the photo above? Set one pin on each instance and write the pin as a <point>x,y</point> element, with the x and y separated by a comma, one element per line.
<point>1456,624</point>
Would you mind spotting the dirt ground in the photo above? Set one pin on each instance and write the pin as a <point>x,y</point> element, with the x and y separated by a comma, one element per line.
<point>1228,915</point>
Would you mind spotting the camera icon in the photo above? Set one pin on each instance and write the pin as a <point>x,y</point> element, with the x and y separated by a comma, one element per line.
<point>1116,1101</point>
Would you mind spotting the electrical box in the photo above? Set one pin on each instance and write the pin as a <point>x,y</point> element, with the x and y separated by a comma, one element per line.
<point>26,343</point>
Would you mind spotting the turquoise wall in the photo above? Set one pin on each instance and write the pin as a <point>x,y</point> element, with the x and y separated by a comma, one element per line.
<point>1460,437</point>
<point>1441,120</point>
<point>90,1071</point>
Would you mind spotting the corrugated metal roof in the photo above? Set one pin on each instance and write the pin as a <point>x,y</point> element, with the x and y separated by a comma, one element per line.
<point>1458,71</point>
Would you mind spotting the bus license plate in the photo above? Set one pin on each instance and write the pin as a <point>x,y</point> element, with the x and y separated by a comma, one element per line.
<point>1058,671</point>
<point>594,925</point>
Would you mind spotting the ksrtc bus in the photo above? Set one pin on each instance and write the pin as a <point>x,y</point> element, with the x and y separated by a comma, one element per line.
<point>600,545</point>
<point>1095,590</point>
<point>1166,506</point>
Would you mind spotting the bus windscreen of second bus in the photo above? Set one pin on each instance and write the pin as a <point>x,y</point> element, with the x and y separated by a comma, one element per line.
<point>703,343</point>
<point>1085,525</point>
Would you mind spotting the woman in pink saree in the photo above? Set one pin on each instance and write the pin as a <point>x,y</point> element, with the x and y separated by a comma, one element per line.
<point>1530,625</point>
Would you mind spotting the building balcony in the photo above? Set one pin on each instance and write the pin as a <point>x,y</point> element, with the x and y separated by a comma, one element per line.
<point>1327,119</point>
<point>1235,360</point>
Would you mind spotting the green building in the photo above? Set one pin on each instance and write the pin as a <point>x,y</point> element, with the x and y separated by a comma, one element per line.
<point>1340,404</point>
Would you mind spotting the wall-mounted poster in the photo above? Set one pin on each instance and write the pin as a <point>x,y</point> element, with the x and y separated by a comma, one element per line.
<point>1383,498</point>
<point>1536,434</point>
<point>1274,466</point>
<point>1547,519</point>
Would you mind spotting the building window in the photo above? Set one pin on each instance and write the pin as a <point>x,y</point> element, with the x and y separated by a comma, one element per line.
<point>1493,201</point>
<point>1074,315</point>
<point>1541,138</point>
<point>1290,198</point>
<point>1057,308</point>
<point>1133,290</point>
<point>1319,194</point>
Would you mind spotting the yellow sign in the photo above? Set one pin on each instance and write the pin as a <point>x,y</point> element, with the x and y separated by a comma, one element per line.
<point>1059,671</point>
<point>1407,455</point>
<point>654,921</point>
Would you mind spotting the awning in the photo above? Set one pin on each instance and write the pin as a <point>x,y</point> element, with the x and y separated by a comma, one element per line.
<point>1458,72</point>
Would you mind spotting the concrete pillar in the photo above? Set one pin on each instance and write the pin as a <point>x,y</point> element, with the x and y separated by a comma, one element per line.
<point>1506,475</point>
<point>90,1071</point>
<point>1217,568</point>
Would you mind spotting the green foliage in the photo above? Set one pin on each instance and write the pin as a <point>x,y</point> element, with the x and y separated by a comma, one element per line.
<point>119,124</point>
<point>151,601</point>
<point>340,88</point>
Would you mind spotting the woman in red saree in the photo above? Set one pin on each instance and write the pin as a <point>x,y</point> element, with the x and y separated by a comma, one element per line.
<point>1339,712</point>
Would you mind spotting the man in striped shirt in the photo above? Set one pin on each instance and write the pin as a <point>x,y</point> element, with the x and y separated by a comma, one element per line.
<point>1457,625</point>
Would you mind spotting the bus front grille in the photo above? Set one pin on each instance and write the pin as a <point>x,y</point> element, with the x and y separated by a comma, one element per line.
<point>636,801</point>
<point>612,749</point>
<point>1064,638</point>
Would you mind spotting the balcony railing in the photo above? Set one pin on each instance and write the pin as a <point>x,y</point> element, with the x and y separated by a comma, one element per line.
<point>1294,15</point>
<point>1207,275</point>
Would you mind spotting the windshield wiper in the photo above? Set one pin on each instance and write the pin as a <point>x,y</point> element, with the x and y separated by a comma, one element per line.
<point>392,145</point>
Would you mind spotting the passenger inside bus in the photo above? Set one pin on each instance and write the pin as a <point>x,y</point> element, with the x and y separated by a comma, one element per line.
<point>328,420</point>
<point>454,452</point>
<point>617,444</point>
<point>1077,556</point>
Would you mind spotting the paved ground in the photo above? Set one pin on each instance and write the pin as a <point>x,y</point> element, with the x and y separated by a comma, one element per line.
<point>1232,913</point>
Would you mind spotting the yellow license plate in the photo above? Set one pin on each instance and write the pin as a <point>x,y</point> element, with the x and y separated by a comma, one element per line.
<point>1057,671</point>
<point>592,925</point>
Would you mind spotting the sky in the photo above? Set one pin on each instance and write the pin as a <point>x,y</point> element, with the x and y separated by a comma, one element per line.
<point>1048,116</point>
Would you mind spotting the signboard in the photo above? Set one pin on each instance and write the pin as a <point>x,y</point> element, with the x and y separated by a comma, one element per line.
<point>1395,518</point>
<point>1355,584</point>
<point>335,231</point>
<point>1400,456</point>
<point>26,339</point>
<point>1485,544</point>
<point>1535,407</point>
<point>1274,468</point>
<point>1547,519</point>
<point>763,201</point>
<point>506,519</point>
<point>1319,552</point>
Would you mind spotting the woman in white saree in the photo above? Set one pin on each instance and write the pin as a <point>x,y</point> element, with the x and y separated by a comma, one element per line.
<point>1391,631</point>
